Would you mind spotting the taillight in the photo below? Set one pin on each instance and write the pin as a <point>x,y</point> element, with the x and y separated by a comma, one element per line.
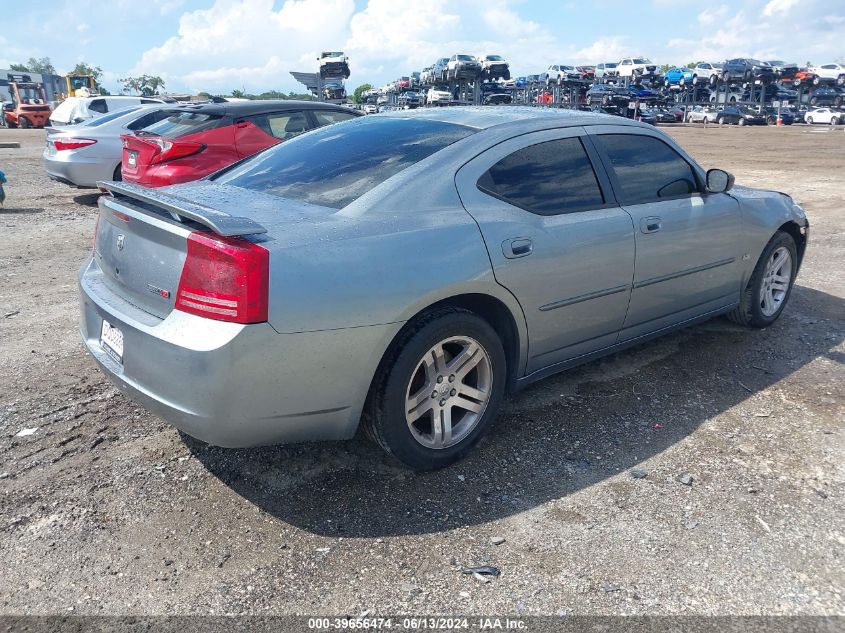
<point>172,150</point>
<point>224,278</point>
<point>63,144</point>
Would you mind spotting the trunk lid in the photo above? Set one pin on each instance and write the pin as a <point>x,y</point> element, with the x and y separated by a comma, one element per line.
<point>141,241</point>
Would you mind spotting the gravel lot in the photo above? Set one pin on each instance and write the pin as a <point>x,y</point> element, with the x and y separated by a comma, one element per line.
<point>739,435</point>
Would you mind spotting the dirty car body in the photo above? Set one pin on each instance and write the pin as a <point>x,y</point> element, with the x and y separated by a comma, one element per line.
<point>342,272</point>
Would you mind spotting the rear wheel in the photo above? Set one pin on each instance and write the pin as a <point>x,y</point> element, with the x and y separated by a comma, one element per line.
<point>24,123</point>
<point>118,173</point>
<point>809,119</point>
<point>438,390</point>
<point>741,121</point>
<point>770,285</point>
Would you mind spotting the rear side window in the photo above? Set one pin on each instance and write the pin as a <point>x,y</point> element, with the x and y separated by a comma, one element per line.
<point>549,178</point>
<point>327,117</point>
<point>284,125</point>
<point>184,123</point>
<point>98,105</point>
<point>107,117</point>
<point>335,165</point>
<point>647,169</point>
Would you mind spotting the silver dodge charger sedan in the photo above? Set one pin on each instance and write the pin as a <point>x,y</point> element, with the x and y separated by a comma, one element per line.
<point>403,272</point>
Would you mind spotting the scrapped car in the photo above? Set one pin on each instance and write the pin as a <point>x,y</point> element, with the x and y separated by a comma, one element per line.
<point>195,141</point>
<point>334,91</point>
<point>282,299</point>
<point>605,70</point>
<point>438,96</point>
<point>462,67</point>
<point>726,93</point>
<point>661,115</point>
<point>81,155</point>
<point>804,76</point>
<point>825,95</point>
<point>740,115</point>
<point>783,70</point>
<point>558,73</point>
<point>747,69</point>
<point>495,67</point>
<point>495,94</point>
<point>678,76</point>
<point>636,67</point>
<point>426,76</point>
<point>586,72</point>
<point>787,117</point>
<point>702,114</point>
<point>333,64</point>
<point>439,70</point>
<point>607,93</point>
<point>829,73</point>
<point>77,109</point>
<point>824,115</point>
<point>409,99</point>
<point>370,108</point>
<point>706,72</point>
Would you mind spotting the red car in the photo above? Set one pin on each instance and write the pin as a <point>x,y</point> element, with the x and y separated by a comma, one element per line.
<point>803,76</point>
<point>195,141</point>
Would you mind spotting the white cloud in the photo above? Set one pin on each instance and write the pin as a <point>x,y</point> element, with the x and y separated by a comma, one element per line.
<point>775,7</point>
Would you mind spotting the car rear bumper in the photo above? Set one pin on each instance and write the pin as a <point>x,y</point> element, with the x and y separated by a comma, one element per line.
<point>78,172</point>
<point>229,384</point>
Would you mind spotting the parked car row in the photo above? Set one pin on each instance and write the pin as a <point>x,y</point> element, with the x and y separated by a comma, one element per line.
<point>157,145</point>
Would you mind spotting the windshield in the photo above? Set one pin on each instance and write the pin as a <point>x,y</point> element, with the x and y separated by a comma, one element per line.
<point>30,95</point>
<point>466,58</point>
<point>111,116</point>
<point>642,60</point>
<point>332,54</point>
<point>611,65</point>
<point>335,165</point>
<point>493,58</point>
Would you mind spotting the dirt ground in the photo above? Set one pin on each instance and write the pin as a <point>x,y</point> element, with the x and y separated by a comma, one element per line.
<point>107,509</point>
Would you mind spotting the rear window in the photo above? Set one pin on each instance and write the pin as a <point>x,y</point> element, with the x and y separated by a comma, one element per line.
<point>184,123</point>
<point>334,166</point>
<point>107,117</point>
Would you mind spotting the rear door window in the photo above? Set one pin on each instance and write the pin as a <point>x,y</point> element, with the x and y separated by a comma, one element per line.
<point>284,125</point>
<point>98,105</point>
<point>548,178</point>
<point>184,123</point>
<point>327,117</point>
<point>647,169</point>
<point>147,120</point>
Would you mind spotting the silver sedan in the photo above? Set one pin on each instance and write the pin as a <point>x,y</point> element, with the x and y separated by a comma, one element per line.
<point>82,154</point>
<point>403,272</point>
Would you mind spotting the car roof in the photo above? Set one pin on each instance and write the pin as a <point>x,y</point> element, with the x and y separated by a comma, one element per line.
<point>259,106</point>
<point>483,118</point>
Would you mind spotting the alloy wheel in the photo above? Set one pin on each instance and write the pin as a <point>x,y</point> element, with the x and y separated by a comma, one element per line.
<point>775,284</point>
<point>448,392</point>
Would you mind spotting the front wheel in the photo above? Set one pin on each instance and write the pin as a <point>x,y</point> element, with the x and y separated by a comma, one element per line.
<point>770,285</point>
<point>24,123</point>
<point>742,122</point>
<point>438,390</point>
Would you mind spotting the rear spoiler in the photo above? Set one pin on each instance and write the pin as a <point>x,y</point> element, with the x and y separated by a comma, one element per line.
<point>218,221</point>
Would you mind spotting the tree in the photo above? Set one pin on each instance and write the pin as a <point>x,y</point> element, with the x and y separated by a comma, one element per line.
<point>238,94</point>
<point>84,69</point>
<point>665,67</point>
<point>692,65</point>
<point>19,68</point>
<point>145,85</point>
<point>43,66</point>
<point>356,96</point>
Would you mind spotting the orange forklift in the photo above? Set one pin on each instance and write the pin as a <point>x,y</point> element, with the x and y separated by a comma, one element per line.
<point>28,106</point>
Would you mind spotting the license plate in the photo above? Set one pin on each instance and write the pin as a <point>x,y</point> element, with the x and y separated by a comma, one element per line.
<point>132,159</point>
<point>111,340</point>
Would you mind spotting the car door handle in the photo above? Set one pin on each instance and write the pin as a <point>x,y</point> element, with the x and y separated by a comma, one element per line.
<point>517,247</point>
<point>650,225</point>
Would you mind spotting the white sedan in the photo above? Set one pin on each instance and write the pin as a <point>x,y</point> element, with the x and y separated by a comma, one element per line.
<point>438,97</point>
<point>823,115</point>
<point>829,72</point>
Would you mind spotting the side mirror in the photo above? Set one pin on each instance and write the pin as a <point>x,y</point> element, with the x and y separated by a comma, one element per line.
<point>719,181</point>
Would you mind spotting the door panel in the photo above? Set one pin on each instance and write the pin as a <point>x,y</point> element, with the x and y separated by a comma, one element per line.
<point>688,244</point>
<point>571,272</point>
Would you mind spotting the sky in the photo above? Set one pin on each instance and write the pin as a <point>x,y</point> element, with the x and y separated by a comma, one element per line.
<point>221,45</point>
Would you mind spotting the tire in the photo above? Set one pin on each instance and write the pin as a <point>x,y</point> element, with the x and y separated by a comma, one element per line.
<point>741,121</point>
<point>817,81</point>
<point>682,81</point>
<point>118,173</point>
<point>24,123</point>
<point>747,75</point>
<point>403,371</point>
<point>833,120</point>
<point>814,100</point>
<point>751,311</point>
<point>808,120</point>
<point>796,83</point>
<point>840,80</point>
